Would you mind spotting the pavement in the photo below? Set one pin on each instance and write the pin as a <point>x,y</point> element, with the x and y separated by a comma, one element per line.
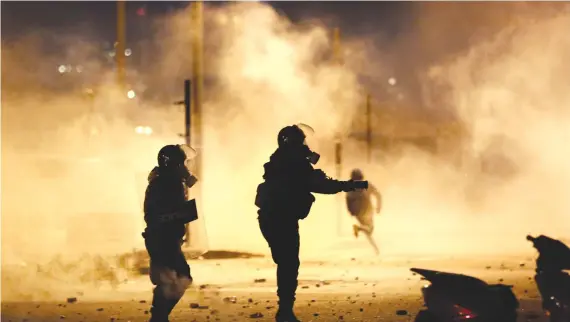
<point>345,289</point>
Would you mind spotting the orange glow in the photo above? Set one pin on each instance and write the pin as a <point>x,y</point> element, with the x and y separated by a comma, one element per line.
<point>68,194</point>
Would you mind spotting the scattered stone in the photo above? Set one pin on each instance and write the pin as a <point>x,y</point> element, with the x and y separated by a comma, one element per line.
<point>146,312</point>
<point>62,317</point>
<point>401,312</point>
<point>142,301</point>
<point>256,315</point>
<point>71,299</point>
<point>305,287</point>
<point>231,299</point>
<point>194,305</point>
<point>315,314</point>
<point>260,280</point>
<point>250,300</point>
<point>100,309</point>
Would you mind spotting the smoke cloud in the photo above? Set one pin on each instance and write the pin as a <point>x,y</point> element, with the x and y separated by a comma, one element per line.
<point>73,180</point>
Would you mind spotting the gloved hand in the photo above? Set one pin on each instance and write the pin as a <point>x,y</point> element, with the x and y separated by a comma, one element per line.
<point>353,185</point>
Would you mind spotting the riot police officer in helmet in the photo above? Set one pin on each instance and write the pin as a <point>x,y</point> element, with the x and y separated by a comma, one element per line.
<point>284,198</point>
<point>166,193</point>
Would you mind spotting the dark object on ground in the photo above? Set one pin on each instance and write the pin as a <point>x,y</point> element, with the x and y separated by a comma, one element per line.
<point>455,297</point>
<point>552,282</point>
<point>223,254</point>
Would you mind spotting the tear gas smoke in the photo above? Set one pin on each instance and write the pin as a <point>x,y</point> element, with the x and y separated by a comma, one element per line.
<point>268,73</point>
<point>507,88</point>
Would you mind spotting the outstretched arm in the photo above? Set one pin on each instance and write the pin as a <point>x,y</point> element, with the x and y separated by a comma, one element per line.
<point>319,182</point>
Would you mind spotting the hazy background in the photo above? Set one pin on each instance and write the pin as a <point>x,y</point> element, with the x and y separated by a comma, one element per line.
<point>73,167</point>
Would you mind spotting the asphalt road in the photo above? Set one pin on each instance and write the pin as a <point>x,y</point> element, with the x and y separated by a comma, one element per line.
<point>349,290</point>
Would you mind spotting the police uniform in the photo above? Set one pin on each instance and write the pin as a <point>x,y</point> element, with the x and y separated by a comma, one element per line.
<point>283,199</point>
<point>169,272</point>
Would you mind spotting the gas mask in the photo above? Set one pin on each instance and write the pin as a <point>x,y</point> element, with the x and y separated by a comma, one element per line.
<point>189,179</point>
<point>312,156</point>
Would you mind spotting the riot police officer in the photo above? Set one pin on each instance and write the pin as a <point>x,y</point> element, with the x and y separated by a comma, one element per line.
<point>283,199</point>
<point>167,193</point>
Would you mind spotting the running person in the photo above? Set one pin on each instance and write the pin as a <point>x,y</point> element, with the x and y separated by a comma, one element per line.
<point>361,205</point>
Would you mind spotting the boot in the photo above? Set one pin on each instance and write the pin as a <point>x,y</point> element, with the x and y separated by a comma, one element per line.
<point>285,313</point>
<point>160,308</point>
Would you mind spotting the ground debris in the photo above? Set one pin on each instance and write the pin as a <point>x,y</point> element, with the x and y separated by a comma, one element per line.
<point>230,299</point>
<point>256,315</point>
<point>401,312</point>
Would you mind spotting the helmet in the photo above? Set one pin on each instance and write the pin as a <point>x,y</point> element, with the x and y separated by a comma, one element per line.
<point>356,174</point>
<point>294,134</point>
<point>175,155</point>
<point>290,135</point>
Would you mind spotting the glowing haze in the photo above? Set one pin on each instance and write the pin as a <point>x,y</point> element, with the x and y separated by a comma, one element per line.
<point>270,73</point>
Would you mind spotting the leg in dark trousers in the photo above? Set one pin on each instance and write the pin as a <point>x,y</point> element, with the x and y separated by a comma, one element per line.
<point>284,241</point>
<point>170,272</point>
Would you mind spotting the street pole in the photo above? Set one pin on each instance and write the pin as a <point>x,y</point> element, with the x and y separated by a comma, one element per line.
<point>187,133</point>
<point>197,12</point>
<point>120,44</point>
<point>338,142</point>
<point>368,128</point>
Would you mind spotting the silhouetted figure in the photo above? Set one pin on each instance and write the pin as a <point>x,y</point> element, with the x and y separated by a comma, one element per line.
<point>362,207</point>
<point>167,193</point>
<point>552,278</point>
<point>283,199</point>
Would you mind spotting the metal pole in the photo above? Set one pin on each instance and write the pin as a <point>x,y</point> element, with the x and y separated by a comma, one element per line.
<point>368,129</point>
<point>338,141</point>
<point>187,111</point>
<point>120,44</point>
<point>187,132</point>
<point>197,94</point>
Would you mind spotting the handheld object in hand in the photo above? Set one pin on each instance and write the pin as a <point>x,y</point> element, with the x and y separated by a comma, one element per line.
<point>360,185</point>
